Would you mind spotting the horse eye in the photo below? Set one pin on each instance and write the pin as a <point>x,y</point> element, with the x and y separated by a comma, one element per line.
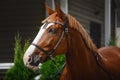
<point>53,31</point>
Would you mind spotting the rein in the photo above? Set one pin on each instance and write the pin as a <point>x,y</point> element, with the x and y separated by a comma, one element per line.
<point>110,75</point>
<point>49,53</point>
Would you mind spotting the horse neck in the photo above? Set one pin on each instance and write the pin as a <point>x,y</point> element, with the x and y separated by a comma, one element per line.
<point>80,60</point>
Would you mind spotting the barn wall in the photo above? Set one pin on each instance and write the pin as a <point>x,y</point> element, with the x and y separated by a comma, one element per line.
<point>18,16</point>
<point>87,11</point>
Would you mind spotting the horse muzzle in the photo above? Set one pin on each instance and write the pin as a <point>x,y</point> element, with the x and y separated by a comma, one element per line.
<point>32,61</point>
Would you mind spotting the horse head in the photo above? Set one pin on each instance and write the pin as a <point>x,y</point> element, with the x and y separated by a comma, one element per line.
<point>50,40</point>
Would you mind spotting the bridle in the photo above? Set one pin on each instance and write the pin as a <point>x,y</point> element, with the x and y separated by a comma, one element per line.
<point>50,52</point>
<point>65,31</point>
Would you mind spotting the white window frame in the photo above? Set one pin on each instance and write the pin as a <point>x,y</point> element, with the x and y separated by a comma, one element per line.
<point>6,65</point>
<point>107,22</point>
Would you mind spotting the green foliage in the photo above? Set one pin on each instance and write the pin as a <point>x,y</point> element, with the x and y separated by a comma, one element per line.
<point>48,69</point>
<point>112,42</point>
<point>19,71</point>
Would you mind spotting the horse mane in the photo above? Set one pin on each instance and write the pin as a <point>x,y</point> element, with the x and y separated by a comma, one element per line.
<point>76,25</point>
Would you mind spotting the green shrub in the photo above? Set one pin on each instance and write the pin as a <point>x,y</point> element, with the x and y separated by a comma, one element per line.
<point>48,69</point>
<point>19,71</point>
<point>112,42</point>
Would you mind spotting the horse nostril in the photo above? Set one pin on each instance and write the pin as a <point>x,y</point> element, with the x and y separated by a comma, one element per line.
<point>30,59</point>
<point>33,60</point>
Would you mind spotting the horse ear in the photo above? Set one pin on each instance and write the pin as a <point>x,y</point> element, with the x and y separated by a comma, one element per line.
<point>58,10</point>
<point>49,10</point>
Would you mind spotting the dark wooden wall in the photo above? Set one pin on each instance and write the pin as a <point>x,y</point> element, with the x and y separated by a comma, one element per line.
<point>18,16</point>
<point>86,11</point>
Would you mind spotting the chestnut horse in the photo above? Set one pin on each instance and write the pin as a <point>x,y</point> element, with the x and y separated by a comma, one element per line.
<point>113,59</point>
<point>62,33</point>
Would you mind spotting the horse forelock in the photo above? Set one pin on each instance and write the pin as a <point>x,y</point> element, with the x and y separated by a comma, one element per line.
<point>73,23</point>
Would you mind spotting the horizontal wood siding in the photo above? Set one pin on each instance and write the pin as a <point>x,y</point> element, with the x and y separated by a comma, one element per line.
<point>86,11</point>
<point>18,16</point>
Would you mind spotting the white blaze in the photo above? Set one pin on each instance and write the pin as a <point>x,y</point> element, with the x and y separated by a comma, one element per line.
<point>35,41</point>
